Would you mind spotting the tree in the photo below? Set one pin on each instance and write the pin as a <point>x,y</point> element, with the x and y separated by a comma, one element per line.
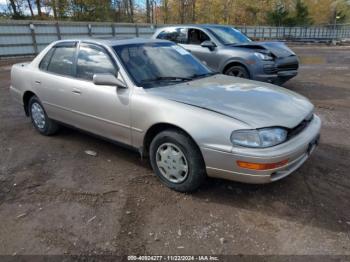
<point>278,16</point>
<point>54,10</point>
<point>16,12</point>
<point>148,11</point>
<point>302,14</point>
<point>340,11</point>
<point>234,12</point>
<point>131,12</point>
<point>62,8</point>
<point>193,11</point>
<point>38,6</point>
<point>165,11</point>
<point>29,2</point>
<point>281,15</point>
<point>182,11</point>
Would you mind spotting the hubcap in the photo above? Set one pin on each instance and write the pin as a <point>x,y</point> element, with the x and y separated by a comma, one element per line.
<point>38,115</point>
<point>172,163</point>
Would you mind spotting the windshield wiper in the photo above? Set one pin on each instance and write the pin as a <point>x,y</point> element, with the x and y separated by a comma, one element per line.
<point>203,75</point>
<point>167,78</point>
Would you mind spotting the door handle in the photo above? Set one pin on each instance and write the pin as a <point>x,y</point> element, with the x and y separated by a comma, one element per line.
<point>76,91</point>
<point>37,82</point>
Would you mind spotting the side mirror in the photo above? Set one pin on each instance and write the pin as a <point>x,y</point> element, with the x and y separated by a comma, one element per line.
<point>108,79</point>
<point>209,44</point>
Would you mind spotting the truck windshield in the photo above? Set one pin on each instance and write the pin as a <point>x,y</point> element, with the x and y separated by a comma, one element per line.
<point>228,35</point>
<point>159,64</point>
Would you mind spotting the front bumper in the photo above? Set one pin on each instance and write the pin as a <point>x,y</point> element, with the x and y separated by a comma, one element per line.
<point>297,150</point>
<point>278,71</point>
<point>278,78</point>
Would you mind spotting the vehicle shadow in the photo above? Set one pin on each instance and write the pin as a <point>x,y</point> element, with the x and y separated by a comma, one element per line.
<point>67,133</point>
<point>318,194</point>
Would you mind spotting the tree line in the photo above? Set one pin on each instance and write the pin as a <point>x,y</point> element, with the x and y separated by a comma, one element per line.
<point>236,12</point>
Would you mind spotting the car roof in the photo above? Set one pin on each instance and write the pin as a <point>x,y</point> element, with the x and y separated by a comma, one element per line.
<point>204,26</point>
<point>116,41</point>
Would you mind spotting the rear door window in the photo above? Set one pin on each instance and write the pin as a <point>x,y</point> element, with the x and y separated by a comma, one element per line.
<point>62,60</point>
<point>177,35</point>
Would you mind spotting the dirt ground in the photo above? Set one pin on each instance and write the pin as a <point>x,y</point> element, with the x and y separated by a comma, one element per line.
<point>55,199</point>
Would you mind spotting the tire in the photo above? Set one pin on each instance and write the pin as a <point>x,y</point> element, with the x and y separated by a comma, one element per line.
<point>185,161</point>
<point>237,71</point>
<point>42,123</point>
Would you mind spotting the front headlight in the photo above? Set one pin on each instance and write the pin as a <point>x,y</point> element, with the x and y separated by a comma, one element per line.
<point>262,56</point>
<point>265,137</point>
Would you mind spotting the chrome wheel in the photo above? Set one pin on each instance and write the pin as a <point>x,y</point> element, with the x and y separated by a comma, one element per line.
<point>38,115</point>
<point>172,163</point>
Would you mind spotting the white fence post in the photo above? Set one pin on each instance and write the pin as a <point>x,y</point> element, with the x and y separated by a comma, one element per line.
<point>32,32</point>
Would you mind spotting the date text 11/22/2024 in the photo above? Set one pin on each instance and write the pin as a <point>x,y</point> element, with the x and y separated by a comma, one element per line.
<point>173,258</point>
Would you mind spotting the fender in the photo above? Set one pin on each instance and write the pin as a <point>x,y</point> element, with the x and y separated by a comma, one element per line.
<point>236,60</point>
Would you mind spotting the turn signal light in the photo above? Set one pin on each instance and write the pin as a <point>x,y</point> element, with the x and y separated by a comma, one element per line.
<point>261,166</point>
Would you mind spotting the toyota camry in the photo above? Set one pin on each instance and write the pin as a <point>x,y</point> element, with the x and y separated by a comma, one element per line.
<point>155,97</point>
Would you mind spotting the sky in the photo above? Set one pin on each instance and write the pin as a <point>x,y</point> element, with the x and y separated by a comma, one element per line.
<point>4,7</point>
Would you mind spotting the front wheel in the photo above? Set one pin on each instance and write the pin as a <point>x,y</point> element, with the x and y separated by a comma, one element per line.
<point>40,120</point>
<point>177,161</point>
<point>237,71</point>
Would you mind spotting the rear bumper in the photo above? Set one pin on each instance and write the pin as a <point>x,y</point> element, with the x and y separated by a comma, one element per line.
<point>297,150</point>
<point>16,95</point>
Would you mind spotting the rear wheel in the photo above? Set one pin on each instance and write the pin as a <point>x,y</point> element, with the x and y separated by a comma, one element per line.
<point>40,120</point>
<point>237,71</point>
<point>177,161</point>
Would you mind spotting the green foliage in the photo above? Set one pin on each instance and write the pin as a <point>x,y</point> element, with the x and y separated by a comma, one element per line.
<point>281,16</point>
<point>341,11</point>
<point>91,10</point>
<point>278,16</point>
<point>236,12</point>
<point>301,16</point>
<point>341,17</point>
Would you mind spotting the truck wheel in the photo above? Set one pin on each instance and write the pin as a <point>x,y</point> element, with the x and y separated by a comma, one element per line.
<point>177,161</point>
<point>40,120</point>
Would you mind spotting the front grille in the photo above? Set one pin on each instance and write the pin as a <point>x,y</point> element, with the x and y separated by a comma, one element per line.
<point>270,69</point>
<point>286,67</point>
<point>282,64</point>
<point>273,69</point>
<point>299,128</point>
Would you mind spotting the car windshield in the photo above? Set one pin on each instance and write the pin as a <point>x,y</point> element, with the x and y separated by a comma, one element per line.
<point>159,64</point>
<point>228,35</point>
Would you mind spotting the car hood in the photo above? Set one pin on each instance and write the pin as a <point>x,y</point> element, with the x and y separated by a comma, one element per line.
<point>255,103</point>
<point>279,49</point>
